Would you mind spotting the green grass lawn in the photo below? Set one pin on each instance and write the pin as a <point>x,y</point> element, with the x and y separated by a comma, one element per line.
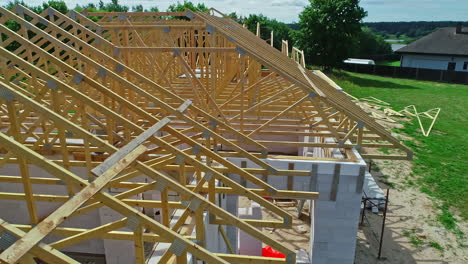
<point>389,63</point>
<point>441,160</point>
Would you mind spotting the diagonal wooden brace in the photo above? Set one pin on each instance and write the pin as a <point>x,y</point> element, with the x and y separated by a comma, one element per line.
<point>13,253</point>
<point>107,170</point>
<point>117,156</point>
<point>41,250</point>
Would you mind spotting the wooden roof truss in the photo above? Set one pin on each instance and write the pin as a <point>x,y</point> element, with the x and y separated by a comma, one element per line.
<point>264,104</point>
<point>139,94</point>
<point>61,95</point>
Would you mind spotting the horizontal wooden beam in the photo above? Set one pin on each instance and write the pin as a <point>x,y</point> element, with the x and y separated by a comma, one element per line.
<point>240,259</point>
<point>135,14</point>
<point>42,251</point>
<point>151,26</point>
<point>172,49</point>
<point>13,253</point>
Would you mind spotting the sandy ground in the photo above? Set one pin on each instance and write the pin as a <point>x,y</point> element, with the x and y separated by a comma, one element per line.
<point>411,217</point>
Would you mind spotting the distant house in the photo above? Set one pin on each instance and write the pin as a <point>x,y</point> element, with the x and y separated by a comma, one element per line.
<point>444,49</point>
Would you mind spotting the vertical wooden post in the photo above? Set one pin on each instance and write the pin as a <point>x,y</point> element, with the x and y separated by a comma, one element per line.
<point>139,245</point>
<point>290,178</point>
<point>182,259</point>
<point>271,38</point>
<point>243,181</point>
<point>165,207</point>
<point>63,140</point>
<point>200,226</point>
<point>242,80</point>
<point>24,168</point>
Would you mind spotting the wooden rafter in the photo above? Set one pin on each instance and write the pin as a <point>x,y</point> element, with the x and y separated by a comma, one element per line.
<point>88,95</point>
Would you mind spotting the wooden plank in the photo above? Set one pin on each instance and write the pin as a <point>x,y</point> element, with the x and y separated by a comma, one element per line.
<point>243,181</point>
<point>226,239</point>
<point>314,178</point>
<point>24,168</point>
<point>335,182</point>
<point>124,151</point>
<point>41,250</point>
<point>139,245</point>
<point>23,245</point>
<point>239,259</point>
<point>360,179</point>
<point>85,234</point>
<point>290,178</point>
<point>109,200</point>
<point>182,49</point>
<point>135,14</point>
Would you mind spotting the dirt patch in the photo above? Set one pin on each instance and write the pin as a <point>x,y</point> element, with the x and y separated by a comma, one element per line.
<point>412,233</point>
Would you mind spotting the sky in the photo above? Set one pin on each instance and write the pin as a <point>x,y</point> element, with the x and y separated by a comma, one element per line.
<point>288,10</point>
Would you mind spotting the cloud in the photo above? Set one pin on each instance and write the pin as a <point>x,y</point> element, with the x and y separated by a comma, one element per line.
<point>300,3</point>
<point>373,2</point>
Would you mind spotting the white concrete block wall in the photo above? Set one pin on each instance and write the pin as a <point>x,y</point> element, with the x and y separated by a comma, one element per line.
<point>232,205</point>
<point>117,251</point>
<point>335,222</point>
<point>373,191</point>
<point>248,245</point>
<point>16,211</point>
<point>213,239</point>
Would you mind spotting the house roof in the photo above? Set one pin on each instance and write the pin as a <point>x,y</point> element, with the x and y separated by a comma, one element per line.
<point>443,41</point>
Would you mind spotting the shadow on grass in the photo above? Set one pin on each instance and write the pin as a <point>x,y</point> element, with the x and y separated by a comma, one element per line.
<point>365,82</point>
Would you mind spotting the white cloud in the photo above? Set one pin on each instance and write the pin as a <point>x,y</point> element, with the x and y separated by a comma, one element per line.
<point>300,3</point>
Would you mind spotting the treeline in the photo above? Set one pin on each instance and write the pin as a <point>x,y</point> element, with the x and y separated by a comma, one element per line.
<point>415,29</point>
<point>112,6</point>
<point>363,43</point>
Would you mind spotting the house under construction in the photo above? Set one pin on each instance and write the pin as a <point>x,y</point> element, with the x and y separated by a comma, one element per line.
<point>133,136</point>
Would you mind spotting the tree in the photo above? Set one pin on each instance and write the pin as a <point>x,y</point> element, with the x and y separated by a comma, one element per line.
<point>180,7</point>
<point>369,44</point>
<point>280,30</point>
<point>137,8</point>
<point>328,29</point>
<point>114,6</point>
<point>58,5</point>
<point>233,15</point>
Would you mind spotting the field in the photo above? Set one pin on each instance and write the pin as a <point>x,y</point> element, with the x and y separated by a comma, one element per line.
<point>389,63</point>
<point>440,167</point>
